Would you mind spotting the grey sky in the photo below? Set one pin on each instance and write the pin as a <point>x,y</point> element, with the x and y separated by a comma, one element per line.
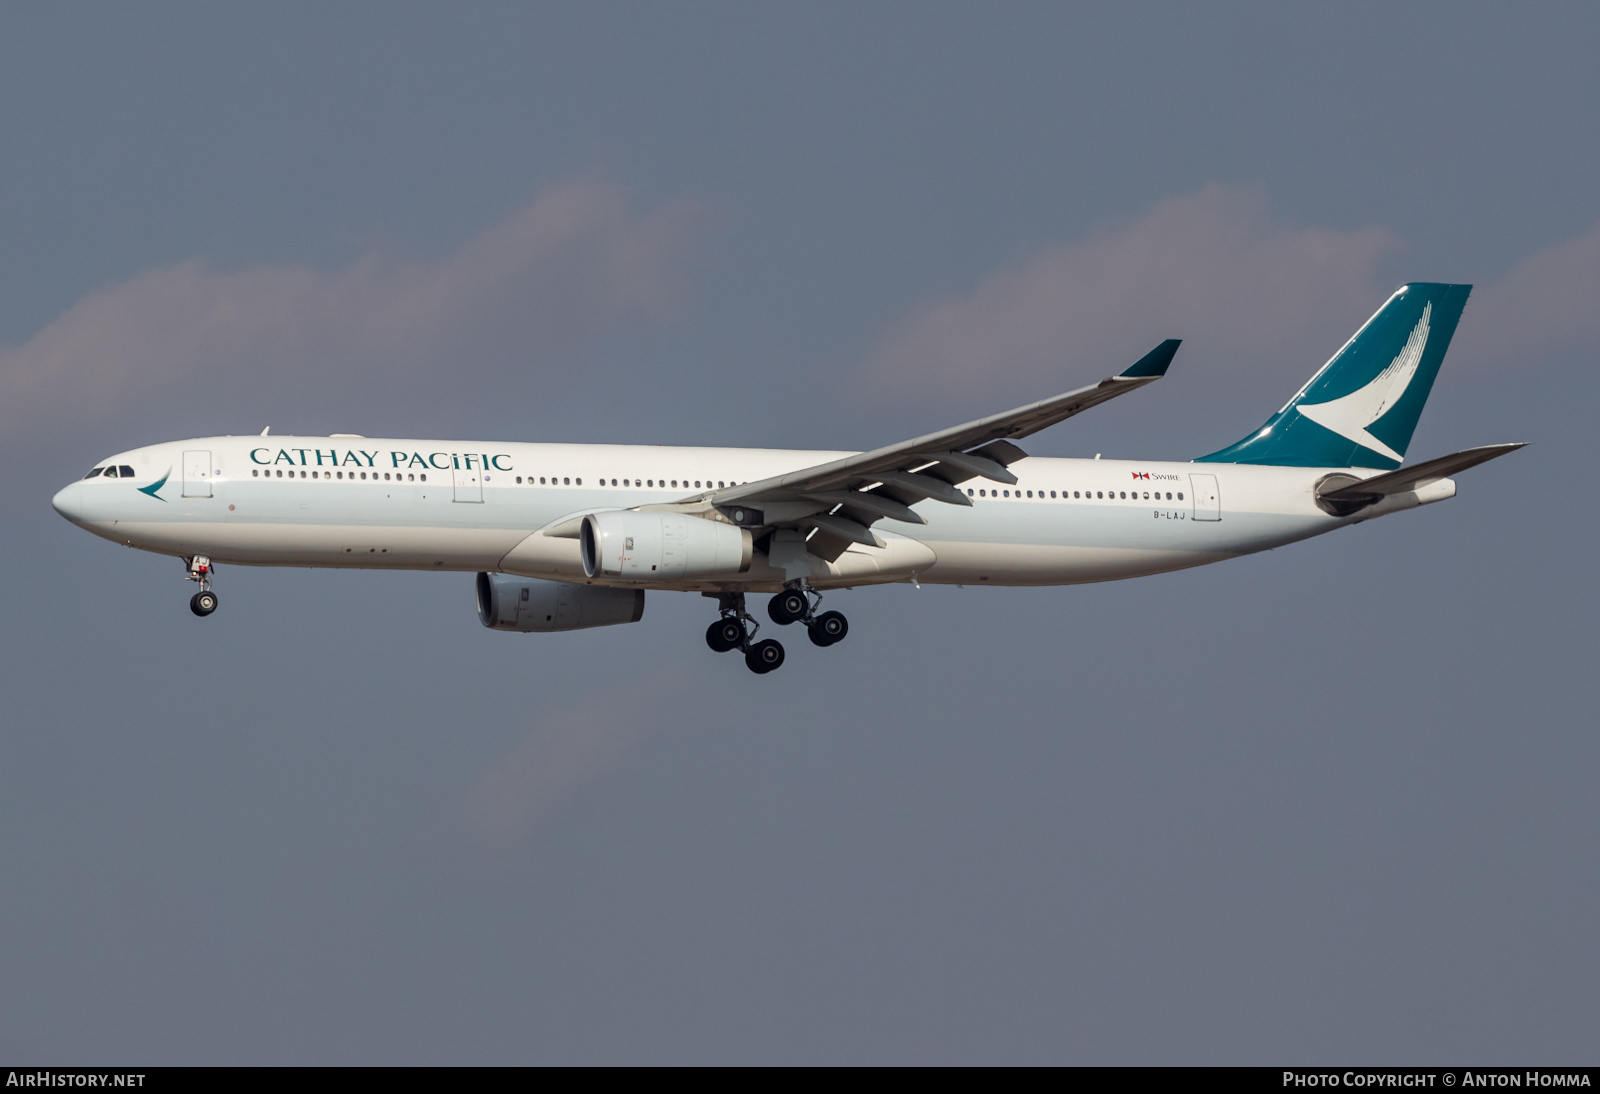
<point>1333,802</point>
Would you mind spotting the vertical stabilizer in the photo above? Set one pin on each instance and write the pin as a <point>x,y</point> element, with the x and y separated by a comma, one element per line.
<point>1362,407</point>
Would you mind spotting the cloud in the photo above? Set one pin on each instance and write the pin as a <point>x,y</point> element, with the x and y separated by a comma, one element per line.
<point>1211,268</point>
<point>574,262</point>
<point>1548,304</point>
<point>568,746</point>
<point>1244,293</point>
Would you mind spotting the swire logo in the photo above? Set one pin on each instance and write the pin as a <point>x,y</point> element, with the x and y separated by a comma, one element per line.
<point>1141,474</point>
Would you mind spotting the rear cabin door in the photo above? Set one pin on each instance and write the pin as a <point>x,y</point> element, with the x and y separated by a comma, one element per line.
<point>1207,499</point>
<point>197,474</point>
<point>469,484</point>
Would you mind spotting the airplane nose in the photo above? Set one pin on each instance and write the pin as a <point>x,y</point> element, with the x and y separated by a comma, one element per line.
<point>67,502</point>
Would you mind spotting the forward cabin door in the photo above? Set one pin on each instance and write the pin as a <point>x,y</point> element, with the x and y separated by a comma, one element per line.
<point>469,484</point>
<point>197,474</point>
<point>1207,499</point>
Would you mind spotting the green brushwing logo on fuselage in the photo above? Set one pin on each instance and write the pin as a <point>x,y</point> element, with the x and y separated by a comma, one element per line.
<point>156,486</point>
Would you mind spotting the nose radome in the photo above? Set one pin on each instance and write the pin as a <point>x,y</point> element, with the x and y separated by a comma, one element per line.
<point>66,502</point>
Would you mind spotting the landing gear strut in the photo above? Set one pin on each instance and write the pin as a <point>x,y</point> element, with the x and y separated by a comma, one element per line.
<point>204,602</point>
<point>799,605</point>
<point>734,631</point>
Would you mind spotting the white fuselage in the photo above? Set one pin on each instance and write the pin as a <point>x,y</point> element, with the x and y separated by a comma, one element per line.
<point>450,505</point>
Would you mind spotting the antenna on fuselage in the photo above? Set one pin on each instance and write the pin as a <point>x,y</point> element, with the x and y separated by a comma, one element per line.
<point>267,430</point>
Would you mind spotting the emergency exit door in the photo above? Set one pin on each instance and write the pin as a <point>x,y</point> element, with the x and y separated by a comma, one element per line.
<point>1207,499</point>
<point>469,484</point>
<point>197,474</point>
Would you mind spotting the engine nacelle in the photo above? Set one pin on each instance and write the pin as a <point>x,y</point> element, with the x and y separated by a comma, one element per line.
<point>507,603</point>
<point>661,546</point>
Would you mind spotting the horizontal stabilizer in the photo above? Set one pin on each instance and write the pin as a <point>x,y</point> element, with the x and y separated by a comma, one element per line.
<point>1343,495</point>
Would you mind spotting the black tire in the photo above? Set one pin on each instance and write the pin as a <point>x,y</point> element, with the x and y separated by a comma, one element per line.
<point>203,604</point>
<point>724,635</point>
<point>764,656</point>
<point>828,628</point>
<point>788,606</point>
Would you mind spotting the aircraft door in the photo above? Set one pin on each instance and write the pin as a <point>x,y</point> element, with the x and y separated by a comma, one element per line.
<point>1207,498</point>
<point>469,484</point>
<point>197,474</point>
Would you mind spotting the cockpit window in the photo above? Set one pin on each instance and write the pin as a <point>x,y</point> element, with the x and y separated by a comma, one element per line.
<point>95,472</point>
<point>111,472</point>
<point>127,472</point>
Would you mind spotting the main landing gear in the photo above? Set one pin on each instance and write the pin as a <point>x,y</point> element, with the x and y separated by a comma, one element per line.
<point>797,606</point>
<point>735,629</point>
<point>204,602</point>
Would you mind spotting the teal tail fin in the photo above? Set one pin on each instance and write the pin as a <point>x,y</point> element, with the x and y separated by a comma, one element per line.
<point>1362,408</point>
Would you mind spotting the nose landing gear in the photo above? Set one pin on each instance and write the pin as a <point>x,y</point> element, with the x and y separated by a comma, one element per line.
<point>204,602</point>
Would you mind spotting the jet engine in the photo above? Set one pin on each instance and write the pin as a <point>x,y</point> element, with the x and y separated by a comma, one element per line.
<point>507,603</point>
<point>648,546</point>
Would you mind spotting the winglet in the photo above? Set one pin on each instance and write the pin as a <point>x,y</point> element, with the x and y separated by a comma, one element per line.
<point>1154,363</point>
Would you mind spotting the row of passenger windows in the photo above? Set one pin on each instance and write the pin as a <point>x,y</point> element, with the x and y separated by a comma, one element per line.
<point>1114,495</point>
<point>551,480</point>
<point>652,484</point>
<point>543,480</point>
<point>339,474</point>
<point>112,471</point>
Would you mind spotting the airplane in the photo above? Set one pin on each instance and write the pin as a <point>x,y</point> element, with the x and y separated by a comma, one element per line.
<point>570,536</point>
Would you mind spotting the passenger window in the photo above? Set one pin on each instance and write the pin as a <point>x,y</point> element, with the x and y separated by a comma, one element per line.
<point>1180,495</point>
<point>1052,493</point>
<point>254,474</point>
<point>697,484</point>
<point>1030,494</point>
<point>1098,494</point>
<point>580,482</point>
<point>541,480</point>
<point>424,478</point>
<point>719,484</point>
<point>969,493</point>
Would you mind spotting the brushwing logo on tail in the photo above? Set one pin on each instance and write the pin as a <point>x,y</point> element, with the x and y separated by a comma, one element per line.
<point>1350,415</point>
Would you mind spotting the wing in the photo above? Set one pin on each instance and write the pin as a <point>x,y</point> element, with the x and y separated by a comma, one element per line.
<point>842,499</point>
